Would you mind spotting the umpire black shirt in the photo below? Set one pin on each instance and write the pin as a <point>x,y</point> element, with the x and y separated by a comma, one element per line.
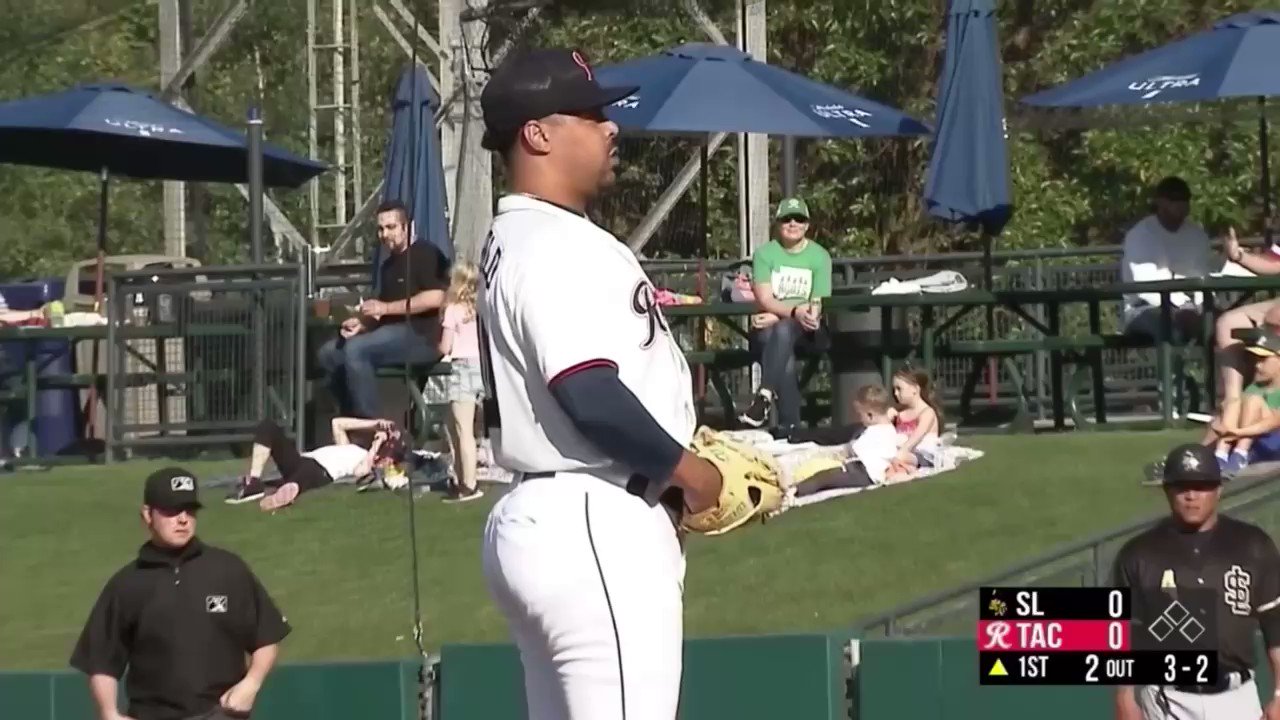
<point>1237,560</point>
<point>424,267</point>
<point>182,624</point>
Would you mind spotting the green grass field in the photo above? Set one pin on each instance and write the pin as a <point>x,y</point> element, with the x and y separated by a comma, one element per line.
<point>338,563</point>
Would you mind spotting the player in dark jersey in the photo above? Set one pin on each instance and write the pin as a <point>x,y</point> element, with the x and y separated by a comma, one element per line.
<point>1198,548</point>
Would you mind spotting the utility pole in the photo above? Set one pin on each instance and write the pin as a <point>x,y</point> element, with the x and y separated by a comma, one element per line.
<point>175,193</point>
<point>753,148</point>
<point>468,168</point>
<point>334,135</point>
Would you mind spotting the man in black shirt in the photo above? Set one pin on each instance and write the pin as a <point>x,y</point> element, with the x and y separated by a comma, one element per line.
<point>192,625</point>
<point>402,324</point>
<point>1196,548</point>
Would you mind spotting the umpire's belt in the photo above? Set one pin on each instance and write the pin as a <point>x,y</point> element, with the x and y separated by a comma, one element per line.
<point>1230,681</point>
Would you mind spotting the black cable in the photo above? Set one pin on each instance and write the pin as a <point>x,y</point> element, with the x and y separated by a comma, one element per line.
<point>411,212</point>
<point>464,65</point>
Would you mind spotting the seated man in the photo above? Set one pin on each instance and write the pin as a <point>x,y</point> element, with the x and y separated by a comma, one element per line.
<point>344,460</point>
<point>790,277</point>
<point>1233,361</point>
<point>1248,429</point>
<point>1165,245</point>
<point>402,325</point>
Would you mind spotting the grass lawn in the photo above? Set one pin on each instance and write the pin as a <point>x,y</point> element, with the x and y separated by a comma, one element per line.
<point>338,563</point>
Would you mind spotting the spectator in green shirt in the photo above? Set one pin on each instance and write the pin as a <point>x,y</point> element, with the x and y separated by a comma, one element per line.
<point>790,277</point>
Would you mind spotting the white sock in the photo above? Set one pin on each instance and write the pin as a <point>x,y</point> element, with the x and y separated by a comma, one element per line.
<point>1221,454</point>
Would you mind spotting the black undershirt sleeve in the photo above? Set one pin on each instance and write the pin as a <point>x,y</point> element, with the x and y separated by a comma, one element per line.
<point>610,416</point>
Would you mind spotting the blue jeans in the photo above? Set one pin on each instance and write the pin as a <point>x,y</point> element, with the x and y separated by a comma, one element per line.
<point>352,363</point>
<point>775,348</point>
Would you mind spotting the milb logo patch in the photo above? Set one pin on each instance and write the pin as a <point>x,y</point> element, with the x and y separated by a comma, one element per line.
<point>215,603</point>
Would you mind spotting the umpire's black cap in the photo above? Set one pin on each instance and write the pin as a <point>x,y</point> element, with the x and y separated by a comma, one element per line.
<point>1191,463</point>
<point>535,84</point>
<point>171,488</point>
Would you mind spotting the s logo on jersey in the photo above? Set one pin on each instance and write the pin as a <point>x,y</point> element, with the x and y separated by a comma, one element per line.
<point>1235,590</point>
<point>644,302</point>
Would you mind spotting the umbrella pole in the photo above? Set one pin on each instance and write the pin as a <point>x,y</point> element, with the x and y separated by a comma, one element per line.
<point>91,402</point>
<point>102,241</point>
<point>989,283</point>
<point>789,166</point>
<point>1266,169</point>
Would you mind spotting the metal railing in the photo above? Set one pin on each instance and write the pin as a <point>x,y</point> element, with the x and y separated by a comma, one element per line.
<point>1085,563</point>
<point>1131,376</point>
<point>199,356</point>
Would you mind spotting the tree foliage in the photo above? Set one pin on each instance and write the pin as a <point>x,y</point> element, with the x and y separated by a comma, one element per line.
<point>1070,187</point>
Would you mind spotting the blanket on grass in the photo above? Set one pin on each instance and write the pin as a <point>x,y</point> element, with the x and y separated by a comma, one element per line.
<point>795,455</point>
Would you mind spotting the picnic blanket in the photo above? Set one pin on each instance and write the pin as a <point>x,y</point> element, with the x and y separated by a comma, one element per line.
<point>794,455</point>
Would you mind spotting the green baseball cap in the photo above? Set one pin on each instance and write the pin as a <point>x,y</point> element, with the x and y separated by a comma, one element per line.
<point>792,206</point>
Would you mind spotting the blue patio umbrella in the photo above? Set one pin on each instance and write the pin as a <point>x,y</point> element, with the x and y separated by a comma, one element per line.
<point>414,171</point>
<point>1237,57</point>
<point>968,177</point>
<point>115,129</point>
<point>132,133</point>
<point>708,88</point>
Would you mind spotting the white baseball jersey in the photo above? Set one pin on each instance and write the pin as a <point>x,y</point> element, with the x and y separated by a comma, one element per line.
<point>560,294</point>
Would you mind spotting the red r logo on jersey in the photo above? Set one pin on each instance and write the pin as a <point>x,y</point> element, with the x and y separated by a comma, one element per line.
<point>582,63</point>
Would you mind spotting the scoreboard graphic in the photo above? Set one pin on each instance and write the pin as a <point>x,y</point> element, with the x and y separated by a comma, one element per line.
<point>1096,636</point>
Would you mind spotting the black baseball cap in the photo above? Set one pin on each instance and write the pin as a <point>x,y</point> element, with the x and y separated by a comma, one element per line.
<point>1191,463</point>
<point>537,83</point>
<point>172,488</point>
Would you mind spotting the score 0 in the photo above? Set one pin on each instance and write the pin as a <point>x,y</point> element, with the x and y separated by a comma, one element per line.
<point>1054,619</point>
<point>1066,603</point>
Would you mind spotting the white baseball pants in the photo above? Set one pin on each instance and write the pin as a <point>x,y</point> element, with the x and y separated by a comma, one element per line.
<point>1239,703</point>
<point>590,579</point>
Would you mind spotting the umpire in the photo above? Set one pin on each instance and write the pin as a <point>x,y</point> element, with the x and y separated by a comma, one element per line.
<point>193,626</point>
<point>1198,548</point>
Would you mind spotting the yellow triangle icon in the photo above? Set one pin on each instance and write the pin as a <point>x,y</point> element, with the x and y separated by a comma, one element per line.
<point>997,669</point>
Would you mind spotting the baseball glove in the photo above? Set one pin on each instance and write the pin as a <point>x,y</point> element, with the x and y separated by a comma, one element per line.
<point>751,486</point>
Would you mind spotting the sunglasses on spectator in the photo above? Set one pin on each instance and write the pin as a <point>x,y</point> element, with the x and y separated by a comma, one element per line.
<point>795,219</point>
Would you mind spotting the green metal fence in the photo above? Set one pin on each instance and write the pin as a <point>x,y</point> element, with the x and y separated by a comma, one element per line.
<point>379,690</point>
<point>199,356</point>
<point>1084,563</point>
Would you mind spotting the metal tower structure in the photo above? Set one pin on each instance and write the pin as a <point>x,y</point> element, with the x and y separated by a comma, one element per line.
<point>333,129</point>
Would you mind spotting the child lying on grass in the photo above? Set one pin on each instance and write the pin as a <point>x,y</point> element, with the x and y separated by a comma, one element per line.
<point>869,459</point>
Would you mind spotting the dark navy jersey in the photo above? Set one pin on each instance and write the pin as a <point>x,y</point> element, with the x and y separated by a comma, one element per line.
<point>1237,560</point>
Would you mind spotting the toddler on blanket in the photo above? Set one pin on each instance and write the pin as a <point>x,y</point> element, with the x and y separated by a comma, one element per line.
<point>870,459</point>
